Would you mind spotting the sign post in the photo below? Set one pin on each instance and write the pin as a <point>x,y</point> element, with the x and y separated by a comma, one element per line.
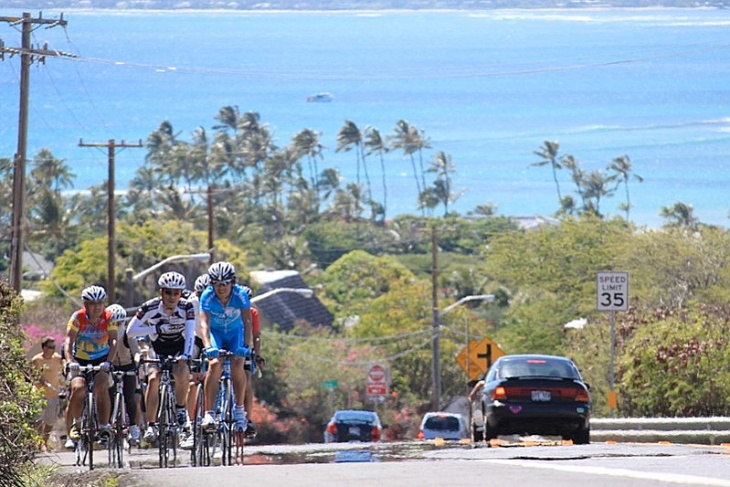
<point>612,294</point>
<point>377,387</point>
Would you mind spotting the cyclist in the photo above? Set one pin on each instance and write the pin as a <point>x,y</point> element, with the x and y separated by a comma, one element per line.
<point>124,362</point>
<point>91,339</point>
<point>249,367</point>
<point>225,322</point>
<point>168,320</point>
<point>197,374</point>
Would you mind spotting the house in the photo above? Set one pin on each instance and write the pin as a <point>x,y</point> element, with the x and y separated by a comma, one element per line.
<point>279,300</point>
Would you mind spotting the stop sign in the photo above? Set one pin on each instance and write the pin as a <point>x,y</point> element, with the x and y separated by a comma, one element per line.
<point>376,373</point>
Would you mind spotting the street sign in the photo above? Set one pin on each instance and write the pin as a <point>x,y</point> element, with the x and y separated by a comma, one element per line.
<point>612,291</point>
<point>479,355</point>
<point>377,386</point>
<point>331,384</point>
<point>472,369</point>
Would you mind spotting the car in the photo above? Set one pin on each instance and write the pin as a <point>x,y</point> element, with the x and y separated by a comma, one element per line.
<point>536,395</point>
<point>447,426</point>
<point>353,425</point>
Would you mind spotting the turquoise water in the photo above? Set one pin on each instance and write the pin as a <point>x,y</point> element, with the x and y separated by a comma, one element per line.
<point>486,87</point>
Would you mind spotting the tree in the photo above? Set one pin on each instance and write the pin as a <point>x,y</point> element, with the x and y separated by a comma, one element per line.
<point>443,166</point>
<point>50,172</point>
<point>679,215</point>
<point>622,167</point>
<point>306,142</point>
<point>350,137</point>
<point>20,404</point>
<point>549,154</point>
<point>410,140</point>
<point>375,144</point>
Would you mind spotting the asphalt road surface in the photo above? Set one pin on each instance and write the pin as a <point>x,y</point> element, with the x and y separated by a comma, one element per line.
<point>429,463</point>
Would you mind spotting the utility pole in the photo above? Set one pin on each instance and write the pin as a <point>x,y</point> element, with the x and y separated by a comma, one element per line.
<point>27,56</point>
<point>111,146</point>
<point>436,344</point>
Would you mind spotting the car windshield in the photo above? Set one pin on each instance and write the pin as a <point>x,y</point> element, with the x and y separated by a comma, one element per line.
<point>536,367</point>
<point>442,423</point>
<point>344,416</point>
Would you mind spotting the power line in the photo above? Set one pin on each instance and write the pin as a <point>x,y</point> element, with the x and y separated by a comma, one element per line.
<point>111,146</point>
<point>28,55</point>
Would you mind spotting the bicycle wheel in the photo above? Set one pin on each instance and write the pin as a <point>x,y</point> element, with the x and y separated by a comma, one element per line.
<point>226,430</point>
<point>201,450</point>
<point>89,428</point>
<point>116,443</point>
<point>163,426</point>
<point>81,448</point>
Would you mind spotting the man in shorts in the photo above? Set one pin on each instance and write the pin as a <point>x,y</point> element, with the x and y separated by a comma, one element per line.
<point>168,321</point>
<point>49,364</point>
<point>91,339</point>
<point>225,323</point>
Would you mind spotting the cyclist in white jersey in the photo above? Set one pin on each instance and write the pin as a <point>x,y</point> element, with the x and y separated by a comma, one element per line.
<point>169,322</point>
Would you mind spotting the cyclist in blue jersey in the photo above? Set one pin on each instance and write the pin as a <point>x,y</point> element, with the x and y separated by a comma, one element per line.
<point>225,323</point>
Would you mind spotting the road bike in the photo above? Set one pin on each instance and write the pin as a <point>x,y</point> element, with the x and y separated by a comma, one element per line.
<point>84,448</point>
<point>167,427</point>
<point>224,440</point>
<point>119,420</point>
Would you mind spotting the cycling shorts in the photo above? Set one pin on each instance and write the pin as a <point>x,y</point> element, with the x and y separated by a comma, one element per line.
<point>227,340</point>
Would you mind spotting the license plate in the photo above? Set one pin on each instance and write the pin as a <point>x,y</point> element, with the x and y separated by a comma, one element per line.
<point>354,431</point>
<point>541,396</point>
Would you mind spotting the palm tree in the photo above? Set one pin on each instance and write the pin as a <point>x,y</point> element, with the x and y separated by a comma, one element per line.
<point>374,142</point>
<point>307,144</point>
<point>549,154</point>
<point>596,186</point>
<point>50,172</point>
<point>350,137</point>
<point>622,167</point>
<point>680,215</point>
<point>443,166</point>
<point>410,140</point>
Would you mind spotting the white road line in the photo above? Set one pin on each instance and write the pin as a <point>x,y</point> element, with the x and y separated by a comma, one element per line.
<point>618,472</point>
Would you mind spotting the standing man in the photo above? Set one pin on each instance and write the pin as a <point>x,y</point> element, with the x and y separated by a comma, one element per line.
<point>49,364</point>
<point>91,339</point>
<point>169,322</point>
<point>225,323</point>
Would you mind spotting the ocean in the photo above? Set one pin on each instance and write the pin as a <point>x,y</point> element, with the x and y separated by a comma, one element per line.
<point>486,87</point>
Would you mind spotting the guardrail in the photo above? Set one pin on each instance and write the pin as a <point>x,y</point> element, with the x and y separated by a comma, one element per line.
<point>704,431</point>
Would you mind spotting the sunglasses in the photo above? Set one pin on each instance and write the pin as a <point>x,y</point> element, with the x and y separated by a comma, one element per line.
<point>222,283</point>
<point>172,292</point>
<point>51,347</point>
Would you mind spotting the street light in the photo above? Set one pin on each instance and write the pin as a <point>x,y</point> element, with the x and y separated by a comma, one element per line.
<point>435,359</point>
<point>130,277</point>
<point>307,293</point>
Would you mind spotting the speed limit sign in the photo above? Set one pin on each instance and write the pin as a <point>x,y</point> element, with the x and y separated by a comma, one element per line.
<point>612,291</point>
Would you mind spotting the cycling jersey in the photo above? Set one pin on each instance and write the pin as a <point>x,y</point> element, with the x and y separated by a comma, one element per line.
<point>170,334</point>
<point>228,318</point>
<point>92,339</point>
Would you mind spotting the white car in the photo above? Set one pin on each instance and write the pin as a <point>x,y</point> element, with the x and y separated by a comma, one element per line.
<point>447,426</point>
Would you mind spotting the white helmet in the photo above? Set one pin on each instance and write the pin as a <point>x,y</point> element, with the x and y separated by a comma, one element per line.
<point>201,283</point>
<point>118,312</point>
<point>93,293</point>
<point>171,280</point>
<point>222,271</point>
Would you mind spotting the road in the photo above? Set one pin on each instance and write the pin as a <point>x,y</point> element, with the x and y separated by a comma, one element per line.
<point>425,464</point>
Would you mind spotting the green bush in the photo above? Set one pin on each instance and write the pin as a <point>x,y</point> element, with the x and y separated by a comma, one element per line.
<point>20,405</point>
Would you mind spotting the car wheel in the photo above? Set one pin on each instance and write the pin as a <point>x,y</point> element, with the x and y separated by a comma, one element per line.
<point>490,432</point>
<point>582,436</point>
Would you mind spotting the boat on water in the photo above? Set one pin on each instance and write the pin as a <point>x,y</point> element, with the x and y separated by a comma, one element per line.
<point>322,97</point>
